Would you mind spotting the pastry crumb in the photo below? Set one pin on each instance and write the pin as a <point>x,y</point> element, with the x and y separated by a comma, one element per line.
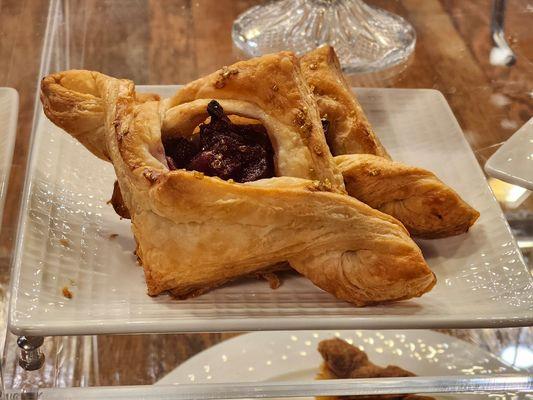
<point>72,282</point>
<point>66,292</point>
<point>313,66</point>
<point>113,235</point>
<point>273,279</point>
<point>138,259</point>
<point>64,242</point>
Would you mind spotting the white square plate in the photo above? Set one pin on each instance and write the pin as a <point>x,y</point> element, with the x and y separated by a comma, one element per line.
<point>513,161</point>
<point>9,105</point>
<point>64,240</point>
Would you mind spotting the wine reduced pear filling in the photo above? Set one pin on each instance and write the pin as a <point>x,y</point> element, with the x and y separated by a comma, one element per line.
<point>224,149</point>
<point>241,152</point>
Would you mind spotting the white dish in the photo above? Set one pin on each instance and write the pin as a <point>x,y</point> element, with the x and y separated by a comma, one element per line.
<point>513,161</point>
<point>9,105</point>
<point>292,356</point>
<point>64,236</point>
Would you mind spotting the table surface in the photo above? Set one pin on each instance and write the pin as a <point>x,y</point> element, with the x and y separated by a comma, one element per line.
<point>175,41</point>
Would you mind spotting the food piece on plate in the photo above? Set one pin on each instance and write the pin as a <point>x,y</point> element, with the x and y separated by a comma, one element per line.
<point>195,232</point>
<point>118,203</point>
<point>344,361</point>
<point>66,292</point>
<point>425,205</point>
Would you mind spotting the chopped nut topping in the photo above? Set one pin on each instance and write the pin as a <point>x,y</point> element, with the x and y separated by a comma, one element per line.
<point>303,123</point>
<point>300,117</point>
<point>198,175</point>
<point>326,185</point>
<point>321,186</point>
<point>313,66</point>
<point>224,74</point>
<point>315,186</point>
<point>152,176</point>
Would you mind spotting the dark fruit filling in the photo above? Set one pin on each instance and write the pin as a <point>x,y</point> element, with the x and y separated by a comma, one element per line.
<point>239,152</point>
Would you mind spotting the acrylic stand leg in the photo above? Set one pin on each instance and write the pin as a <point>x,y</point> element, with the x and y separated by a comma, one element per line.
<point>31,357</point>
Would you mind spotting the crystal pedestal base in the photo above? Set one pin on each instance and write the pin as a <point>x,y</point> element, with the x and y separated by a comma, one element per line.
<point>366,39</point>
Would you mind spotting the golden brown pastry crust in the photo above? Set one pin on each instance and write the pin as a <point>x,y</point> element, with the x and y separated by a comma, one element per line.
<point>427,207</point>
<point>196,232</point>
<point>351,132</point>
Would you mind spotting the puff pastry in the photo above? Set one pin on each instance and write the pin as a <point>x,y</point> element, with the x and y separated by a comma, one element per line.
<point>344,361</point>
<point>349,131</point>
<point>425,205</point>
<point>196,232</point>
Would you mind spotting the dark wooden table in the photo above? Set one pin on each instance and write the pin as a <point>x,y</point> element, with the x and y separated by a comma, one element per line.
<point>175,41</point>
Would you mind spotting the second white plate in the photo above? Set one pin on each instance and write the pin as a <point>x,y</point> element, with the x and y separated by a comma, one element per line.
<point>513,161</point>
<point>293,356</point>
<point>67,239</point>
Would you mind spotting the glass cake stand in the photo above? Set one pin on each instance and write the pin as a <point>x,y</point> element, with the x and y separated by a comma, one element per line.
<point>367,39</point>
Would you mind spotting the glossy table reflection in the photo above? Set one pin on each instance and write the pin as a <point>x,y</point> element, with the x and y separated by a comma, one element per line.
<point>173,41</point>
